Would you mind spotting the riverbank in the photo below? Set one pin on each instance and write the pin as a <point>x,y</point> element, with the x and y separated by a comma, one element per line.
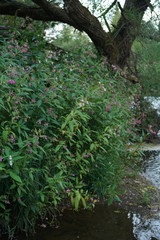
<point>139,195</point>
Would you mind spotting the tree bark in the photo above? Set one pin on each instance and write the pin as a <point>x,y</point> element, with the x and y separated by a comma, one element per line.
<point>116,45</point>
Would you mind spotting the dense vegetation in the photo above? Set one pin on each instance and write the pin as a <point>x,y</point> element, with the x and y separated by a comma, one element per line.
<point>67,119</point>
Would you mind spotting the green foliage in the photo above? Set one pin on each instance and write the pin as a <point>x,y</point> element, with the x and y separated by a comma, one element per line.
<point>116,17</point>
<point>148,65</point>
<point>72,40</point>
<point>65,125</point>
<point>149,30</point>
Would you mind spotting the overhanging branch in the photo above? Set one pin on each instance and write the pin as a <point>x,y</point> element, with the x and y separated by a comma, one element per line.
<point>14,7</point>
<point>46,6</point>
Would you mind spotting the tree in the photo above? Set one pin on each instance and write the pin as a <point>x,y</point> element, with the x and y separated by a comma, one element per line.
<point>115,45</point>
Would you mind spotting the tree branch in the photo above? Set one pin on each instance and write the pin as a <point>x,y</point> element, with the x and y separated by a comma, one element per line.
<point>87,22</point>
<point>46,6</point>
<point>108,9</point>
<point>14,7</point>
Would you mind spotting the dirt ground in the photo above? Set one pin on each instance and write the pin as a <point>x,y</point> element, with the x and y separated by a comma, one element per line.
<point>139,195</point>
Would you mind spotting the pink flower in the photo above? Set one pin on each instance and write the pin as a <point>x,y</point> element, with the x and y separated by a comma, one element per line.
<point>11,81</point>
<point>68,190</point>
<point>45,137</point>
<point>50,111</point>
<point>108,108</point>
<point>128,130</point>
<point>138,121</point>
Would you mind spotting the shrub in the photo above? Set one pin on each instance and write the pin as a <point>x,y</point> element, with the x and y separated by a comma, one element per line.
<point>65,125</point>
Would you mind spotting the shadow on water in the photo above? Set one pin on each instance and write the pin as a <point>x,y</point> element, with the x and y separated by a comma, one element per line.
<point>104,223</point>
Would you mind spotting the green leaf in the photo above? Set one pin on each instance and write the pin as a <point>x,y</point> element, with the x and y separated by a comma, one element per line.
<point>57,148</point>
<point>5,135</point>
<point>42,197</point>
<point>42,150</point>
<point>71,126</point>
<point>15,177</point>
<point>22,203</point>
<point>31,175</point>
<point>20,142</point>
<point>2,206</point>
<point>92,146</point>
<point>39,103</point>
<point>77,200</point>
<point>83,202</point>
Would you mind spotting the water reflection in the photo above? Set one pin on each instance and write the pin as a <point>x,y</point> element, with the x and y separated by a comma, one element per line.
<point>104,223</point>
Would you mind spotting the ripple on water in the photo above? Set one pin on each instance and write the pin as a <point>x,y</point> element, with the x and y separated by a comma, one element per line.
<point>151,167</point>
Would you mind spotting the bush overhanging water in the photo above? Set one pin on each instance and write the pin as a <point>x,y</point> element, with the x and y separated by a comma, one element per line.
<point>65,125</point>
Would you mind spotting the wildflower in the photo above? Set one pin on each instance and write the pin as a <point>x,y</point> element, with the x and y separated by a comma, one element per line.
<point>1,158</point>
<point>30,151</point>
<point>151,130</point>
<point>12,139</point>
<point>17,101</point>
<point>37,145</point>
<point>82,103</point>
<point>68,191</point>
<point>11,81</point>
<point>50,111</point>
<point>45,137</point>
<point>108,108</point>
<point>10,161</point>
<point>138,121</point>
<point>128,130</point>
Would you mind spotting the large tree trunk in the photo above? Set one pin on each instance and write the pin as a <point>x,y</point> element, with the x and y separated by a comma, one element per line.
<point>116,45</point>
